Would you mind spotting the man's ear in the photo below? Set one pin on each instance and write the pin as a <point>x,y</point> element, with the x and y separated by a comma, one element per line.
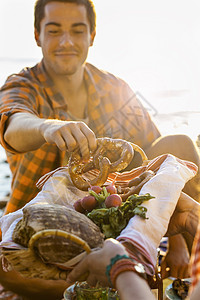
<point>37,38</point>
<point>92,36</point>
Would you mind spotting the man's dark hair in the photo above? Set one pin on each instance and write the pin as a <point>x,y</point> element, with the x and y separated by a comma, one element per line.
<point>40,5</point>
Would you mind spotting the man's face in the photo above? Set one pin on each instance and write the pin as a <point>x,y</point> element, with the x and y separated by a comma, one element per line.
<point>64,37</point>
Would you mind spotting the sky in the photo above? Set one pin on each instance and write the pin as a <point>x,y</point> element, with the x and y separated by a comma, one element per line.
<point>153,45</point>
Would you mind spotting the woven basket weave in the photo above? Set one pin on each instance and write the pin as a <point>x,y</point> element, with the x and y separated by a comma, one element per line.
<point>29,264</point>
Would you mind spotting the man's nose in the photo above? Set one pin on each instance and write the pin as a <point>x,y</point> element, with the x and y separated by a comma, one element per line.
<point>66,39</point>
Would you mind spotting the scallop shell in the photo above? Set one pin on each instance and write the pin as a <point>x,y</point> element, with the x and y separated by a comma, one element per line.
<point>55,248</point>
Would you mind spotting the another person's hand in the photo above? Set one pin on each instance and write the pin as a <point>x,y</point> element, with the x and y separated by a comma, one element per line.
<point>69,135</point>
<point>176,262</point>
<point>185,217</point>
<point>32,288</point>
<point>93,266</point>
<point>130,285</point>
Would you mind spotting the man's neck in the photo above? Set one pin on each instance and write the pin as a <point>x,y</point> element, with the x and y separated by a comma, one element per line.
<point>74,91</point>
<point>70,84</point>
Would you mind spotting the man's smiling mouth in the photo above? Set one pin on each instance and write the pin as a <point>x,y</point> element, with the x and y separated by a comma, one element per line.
<point>66,53</point>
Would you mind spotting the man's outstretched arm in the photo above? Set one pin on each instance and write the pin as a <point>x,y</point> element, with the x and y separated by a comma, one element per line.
<point>26,132</point>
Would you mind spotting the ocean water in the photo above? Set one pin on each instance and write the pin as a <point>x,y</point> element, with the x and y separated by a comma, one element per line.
<point>5,175</point>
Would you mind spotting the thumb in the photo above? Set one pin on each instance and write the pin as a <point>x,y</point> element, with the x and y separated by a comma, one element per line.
<point>72,279</point>
<point>79,273</point>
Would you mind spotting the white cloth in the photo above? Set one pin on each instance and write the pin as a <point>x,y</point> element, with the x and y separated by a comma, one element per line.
<point>58,189</point>
<point>166,186</point>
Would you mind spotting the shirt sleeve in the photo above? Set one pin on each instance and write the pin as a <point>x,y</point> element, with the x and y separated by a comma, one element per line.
<point>16,95</point>
<point>139,122</point>
<point>134,119</point>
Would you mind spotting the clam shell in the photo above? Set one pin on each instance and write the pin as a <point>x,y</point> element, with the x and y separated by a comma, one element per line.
<point>54,248</point>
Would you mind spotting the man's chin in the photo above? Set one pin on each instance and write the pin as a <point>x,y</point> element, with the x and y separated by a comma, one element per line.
<point>65,72</point>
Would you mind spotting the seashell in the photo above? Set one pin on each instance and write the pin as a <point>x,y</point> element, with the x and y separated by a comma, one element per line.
<point>54,232</point>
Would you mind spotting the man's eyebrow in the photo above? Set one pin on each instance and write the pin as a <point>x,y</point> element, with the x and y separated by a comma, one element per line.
<point>79,24</point>
<point>53,23</point>
<point>59,25</point>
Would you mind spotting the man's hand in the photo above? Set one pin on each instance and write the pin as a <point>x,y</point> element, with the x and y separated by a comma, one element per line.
<point>69,135</point>
<point>26,132</point>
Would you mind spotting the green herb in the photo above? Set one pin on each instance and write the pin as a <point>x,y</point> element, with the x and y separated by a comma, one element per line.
<point>101,197</point>
<point>84,292</point>
<point>113,220</point>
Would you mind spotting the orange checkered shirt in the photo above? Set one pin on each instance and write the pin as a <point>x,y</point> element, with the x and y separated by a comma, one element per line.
<point>113,111</point>
<point>195,261</point>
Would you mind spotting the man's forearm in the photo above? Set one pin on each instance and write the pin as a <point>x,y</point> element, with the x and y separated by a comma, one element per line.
<point>23,132</point>
<point>26,132</point>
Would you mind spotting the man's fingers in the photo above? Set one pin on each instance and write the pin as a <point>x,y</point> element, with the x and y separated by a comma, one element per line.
<point>69,135</point>
<point>80,135</point>
<point>83,145</point>
<point>85,138</point>
<point>60,142</point>
<point>92,141</point>
<point>74,139</point>
<point>66,142</point>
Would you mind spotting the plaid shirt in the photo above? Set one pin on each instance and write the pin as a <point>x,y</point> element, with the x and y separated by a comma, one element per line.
<point>195,260</point>
<point>113,111</point>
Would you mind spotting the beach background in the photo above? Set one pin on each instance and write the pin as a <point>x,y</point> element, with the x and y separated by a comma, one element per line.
<point>153,45</point>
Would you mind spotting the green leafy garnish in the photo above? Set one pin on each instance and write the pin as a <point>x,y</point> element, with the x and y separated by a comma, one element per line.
<point>112,221</point>
<point>82,291</point>
<point>101,197</point>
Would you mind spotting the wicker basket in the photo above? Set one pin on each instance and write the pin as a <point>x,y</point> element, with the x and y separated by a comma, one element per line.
<point>29,264</point>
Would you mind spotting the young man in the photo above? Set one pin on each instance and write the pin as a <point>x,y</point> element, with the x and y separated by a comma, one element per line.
<point>64,103</point>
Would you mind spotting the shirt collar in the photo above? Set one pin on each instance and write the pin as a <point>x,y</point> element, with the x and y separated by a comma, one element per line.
<point>95,86</point>
<point>55,97</point>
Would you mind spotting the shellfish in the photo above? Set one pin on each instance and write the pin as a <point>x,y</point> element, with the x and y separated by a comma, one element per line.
<point>56,233</point>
